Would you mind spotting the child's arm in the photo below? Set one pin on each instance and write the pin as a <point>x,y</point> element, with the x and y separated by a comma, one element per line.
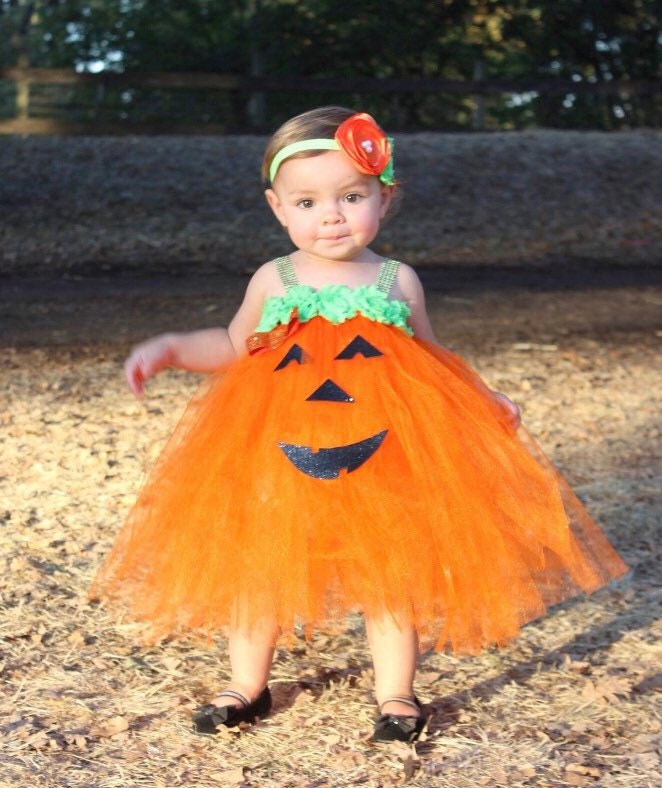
<point>197,351</point>
<point>200,351</point>
<point>412,291</point>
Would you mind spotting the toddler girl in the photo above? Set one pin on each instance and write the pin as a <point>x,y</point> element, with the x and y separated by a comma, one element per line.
<point>338,459</point>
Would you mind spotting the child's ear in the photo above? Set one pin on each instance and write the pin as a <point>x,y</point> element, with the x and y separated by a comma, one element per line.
<point>387,197</point>
<point>274,204</point>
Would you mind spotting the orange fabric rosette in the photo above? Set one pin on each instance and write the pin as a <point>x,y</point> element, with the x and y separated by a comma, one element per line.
<point>367,146</point>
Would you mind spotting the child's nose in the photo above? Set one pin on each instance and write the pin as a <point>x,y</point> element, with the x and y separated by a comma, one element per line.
<point>331,215</point>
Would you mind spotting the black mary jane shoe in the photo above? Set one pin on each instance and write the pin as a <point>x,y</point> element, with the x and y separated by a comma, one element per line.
<point>209,718</point>
<point>400,727</point>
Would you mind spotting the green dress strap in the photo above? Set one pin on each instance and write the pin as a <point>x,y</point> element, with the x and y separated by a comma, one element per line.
<point>387,274</point>
<point>286,272</point>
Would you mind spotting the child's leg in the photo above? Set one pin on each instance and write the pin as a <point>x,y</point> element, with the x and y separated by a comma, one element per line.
<point>251,655</point>
<point>394,652</point>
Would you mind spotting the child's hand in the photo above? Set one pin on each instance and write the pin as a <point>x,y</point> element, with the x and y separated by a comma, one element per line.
<point>145,361</point>
<point>511,409</point>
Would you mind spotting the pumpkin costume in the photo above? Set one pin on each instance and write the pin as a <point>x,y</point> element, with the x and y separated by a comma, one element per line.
<point>346,465</point>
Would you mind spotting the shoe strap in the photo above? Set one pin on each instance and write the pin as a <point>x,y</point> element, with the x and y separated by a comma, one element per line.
<point>398,699</point>
<point>237,695</point>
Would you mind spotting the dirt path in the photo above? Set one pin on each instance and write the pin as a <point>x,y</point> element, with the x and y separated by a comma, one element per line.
<point>574,701</point>
<point>58,311</point>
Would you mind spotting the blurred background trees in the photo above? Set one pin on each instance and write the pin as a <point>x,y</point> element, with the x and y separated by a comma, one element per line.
<point>589,43</point>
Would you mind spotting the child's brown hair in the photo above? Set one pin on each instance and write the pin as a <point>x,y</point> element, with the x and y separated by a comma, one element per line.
<point>320,123</point>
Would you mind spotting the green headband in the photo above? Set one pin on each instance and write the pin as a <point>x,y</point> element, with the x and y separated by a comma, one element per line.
<point>299,147</point>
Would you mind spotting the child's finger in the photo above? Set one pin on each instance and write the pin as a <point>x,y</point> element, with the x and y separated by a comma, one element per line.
<point>135,384</point>
<point>512,409</point>
<point>135,375</point>
<point>514,414</point>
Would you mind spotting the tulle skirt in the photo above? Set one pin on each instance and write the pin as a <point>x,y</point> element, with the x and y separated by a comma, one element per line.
<point>353,468</point>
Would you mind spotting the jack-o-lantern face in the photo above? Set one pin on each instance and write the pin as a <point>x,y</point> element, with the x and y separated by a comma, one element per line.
<point>327,463</point>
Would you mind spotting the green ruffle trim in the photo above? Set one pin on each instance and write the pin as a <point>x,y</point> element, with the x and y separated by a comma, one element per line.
<point>335,303</point>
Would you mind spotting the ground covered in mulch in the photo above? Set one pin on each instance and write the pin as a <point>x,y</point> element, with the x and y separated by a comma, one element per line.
<point>540,253</point>
<point>575,700</point>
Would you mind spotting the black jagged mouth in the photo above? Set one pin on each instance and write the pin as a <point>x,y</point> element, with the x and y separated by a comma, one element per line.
<point>328,463</point>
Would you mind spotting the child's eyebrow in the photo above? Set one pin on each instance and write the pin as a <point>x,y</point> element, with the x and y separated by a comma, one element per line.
<point>352,183</point>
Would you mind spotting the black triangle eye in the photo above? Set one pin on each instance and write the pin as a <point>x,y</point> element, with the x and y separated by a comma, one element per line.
<point>359,346</point>
<point>295,353</point>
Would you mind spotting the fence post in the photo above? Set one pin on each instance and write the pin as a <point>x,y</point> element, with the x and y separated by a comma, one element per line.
<point>478,113</point>
<point>22,89</point>
<point>256,105</point>
<point>20,43</point>
<point>22,80</point>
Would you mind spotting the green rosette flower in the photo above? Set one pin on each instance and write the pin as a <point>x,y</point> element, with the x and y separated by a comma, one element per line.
<point>305,299</point>
<point>396,314</point>
<point>274,312</point>
<point>336,303</point>
<point>371,302</point>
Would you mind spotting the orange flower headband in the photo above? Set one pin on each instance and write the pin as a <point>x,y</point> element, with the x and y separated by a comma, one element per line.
<point>370,150</point>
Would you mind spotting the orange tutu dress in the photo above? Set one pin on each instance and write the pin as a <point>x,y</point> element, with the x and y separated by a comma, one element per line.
<point>345,465</point>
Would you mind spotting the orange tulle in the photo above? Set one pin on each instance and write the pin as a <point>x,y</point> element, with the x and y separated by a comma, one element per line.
<point>451,522</point>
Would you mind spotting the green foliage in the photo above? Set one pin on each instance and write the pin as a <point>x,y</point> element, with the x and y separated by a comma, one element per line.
<point>591,42</point>
<point>594,41</point>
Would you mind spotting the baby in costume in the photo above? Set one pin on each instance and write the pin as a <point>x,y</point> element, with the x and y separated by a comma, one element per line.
<point>338,459</point>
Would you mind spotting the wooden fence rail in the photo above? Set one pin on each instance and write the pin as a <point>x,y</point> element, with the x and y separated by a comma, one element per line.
<point>23,78</point>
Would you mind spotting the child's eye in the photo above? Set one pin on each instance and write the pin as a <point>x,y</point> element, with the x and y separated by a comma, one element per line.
<point>352,197</point>
<point>305,203</point>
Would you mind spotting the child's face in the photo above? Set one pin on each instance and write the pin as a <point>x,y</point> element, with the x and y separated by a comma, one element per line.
<point>330,211</point>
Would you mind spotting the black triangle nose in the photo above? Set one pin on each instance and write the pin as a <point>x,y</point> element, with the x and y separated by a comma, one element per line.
<point>330,392</point>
